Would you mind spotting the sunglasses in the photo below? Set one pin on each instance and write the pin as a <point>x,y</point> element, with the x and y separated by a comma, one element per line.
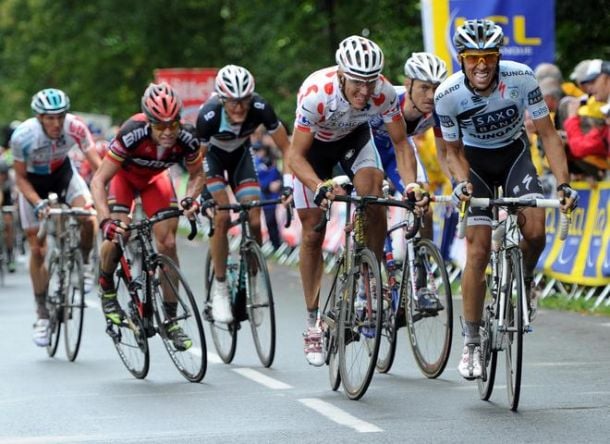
<point>234,103</point>
<point>162,126</point>
<point>474,58</point>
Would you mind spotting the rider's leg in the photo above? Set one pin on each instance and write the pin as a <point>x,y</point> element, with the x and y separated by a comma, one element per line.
<point>367,182</point>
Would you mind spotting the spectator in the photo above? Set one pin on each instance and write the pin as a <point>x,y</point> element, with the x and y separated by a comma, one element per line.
<point>587,137</point>
<point>270,180</point>
<point>598,73</point>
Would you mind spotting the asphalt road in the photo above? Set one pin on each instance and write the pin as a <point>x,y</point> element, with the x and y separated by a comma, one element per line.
<point>565,392</point>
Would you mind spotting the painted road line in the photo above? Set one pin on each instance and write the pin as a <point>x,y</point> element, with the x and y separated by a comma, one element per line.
<point>262,379</point>
<point>339,416</point>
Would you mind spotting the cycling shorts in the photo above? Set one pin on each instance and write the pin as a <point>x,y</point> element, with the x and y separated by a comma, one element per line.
<point>156,192</point>
<point>353,152</point>
<point>239,168</point>
<point>510,167</point>
<point>65,182</point>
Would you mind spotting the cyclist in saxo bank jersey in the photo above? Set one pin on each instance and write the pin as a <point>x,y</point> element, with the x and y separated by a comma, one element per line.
<point>482,109</point>
<point>40,148</point>
<point>334,106</point>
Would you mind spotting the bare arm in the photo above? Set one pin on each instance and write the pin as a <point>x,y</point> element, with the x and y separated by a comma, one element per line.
<point>553,149</point>
<point>297,162</point>
<point>94,158</point>
<point>405,158</point>
<point>456,161</point>
<point>23,184</point>
<point>197,177</point>
<point>441,156</point>
<point>100,180</point>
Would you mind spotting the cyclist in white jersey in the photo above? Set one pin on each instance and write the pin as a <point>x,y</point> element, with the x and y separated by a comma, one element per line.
<point>334,106</point>
<point>481,110</point>
<point>40,147</point>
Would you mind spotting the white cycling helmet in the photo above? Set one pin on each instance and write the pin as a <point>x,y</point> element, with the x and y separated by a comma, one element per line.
<point>234,82</point>
<point>359,58</point>
<point>425,67</point>
<point>50,101</point>
<point>478,34</point>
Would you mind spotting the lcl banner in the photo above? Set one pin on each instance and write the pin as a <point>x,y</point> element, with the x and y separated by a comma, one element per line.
<point>529,27</point>
<point>584,257</point>
<point>193,85</point>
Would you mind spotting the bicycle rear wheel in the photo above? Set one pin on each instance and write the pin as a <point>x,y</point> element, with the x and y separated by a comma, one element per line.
<point>360,326</point>
<point>176,312</point>
<point>74,307</point>
<point>389,327</point>
<point>430,332</point>
<point>513,320</point>
<point>224,335</point>
<point>260,308</point>
<point>55,298</point>
<point>130,339</point>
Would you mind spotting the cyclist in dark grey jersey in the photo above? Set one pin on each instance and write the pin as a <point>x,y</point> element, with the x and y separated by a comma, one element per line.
<point>481,111</point>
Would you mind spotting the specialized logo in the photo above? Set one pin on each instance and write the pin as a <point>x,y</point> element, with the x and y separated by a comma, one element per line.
<point>534,96</point>
<point>527,180</point>
<point>496,120</point>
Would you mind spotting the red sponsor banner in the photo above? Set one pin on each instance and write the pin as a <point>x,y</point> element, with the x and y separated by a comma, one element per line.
<point>193,85</point>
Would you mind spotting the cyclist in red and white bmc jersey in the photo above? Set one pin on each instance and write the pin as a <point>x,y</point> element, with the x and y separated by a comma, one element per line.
<point>137,165</point>
<point>40,148</point>
<point>334,107</point>
<point>481,110</point>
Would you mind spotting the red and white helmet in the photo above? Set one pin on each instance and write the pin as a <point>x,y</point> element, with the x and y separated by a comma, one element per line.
<point>359,58</point>
<point>160,103</point>
<point>234,82</point>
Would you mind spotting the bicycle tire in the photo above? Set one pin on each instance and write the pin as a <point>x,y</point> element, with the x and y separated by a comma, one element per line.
<point>191,362</point>
<point>131,343</point>
<point>224,335</point>
<point>74,305</point>
<point>329,324</point>
<point>259,305</point>
<point>489,352</point>
<point>55,298</point>
<point>430,333</point>
<point>514,324</point>
<point>389,328</point>
<point>360,328</point>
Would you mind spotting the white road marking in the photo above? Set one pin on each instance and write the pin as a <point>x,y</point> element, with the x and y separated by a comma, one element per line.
<point>262,379</point>
<point>213,358</point>
<point>339,416</point>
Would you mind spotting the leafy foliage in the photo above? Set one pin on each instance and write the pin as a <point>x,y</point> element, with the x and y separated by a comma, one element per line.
<point>103,53</point>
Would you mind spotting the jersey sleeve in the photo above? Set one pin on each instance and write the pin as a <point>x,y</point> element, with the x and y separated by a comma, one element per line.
<point>536,106</point>
<point>310,109</point>
<point>17,145</point>
<point>447,117</point>
<point>79,131</point>
<point>267,114</point>
<point>127,137</point>
<point>189,140</point>
<point>208,120</point>
<point>390,105</point>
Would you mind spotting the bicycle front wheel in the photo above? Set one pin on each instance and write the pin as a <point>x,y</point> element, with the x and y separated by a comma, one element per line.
<point>360,325</point>
<point>130,339</point>
<point>330,324</point>
<point>55,298</point>
<point>178,320</point>
<point>74,307</point>
<point>513,320</point>
<point>224,335</point>
<point>430,332</point>
<point>260,308</point>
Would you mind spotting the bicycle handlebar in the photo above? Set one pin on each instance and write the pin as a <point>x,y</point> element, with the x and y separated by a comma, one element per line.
<point>161,216</point>
<point>245,207</point>
<point>75,211</point>
<point>510,202</point>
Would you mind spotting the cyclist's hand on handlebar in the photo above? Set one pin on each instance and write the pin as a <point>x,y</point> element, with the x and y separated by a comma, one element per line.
<point>111,228</point>
<point>461,192</point>
<point>190,206</point>
<point>568,196</point>
<point>207,207</point>
<point>41,208</point>
<point>324,192</point>
<point>286,195</point>
<point>415,193</point>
